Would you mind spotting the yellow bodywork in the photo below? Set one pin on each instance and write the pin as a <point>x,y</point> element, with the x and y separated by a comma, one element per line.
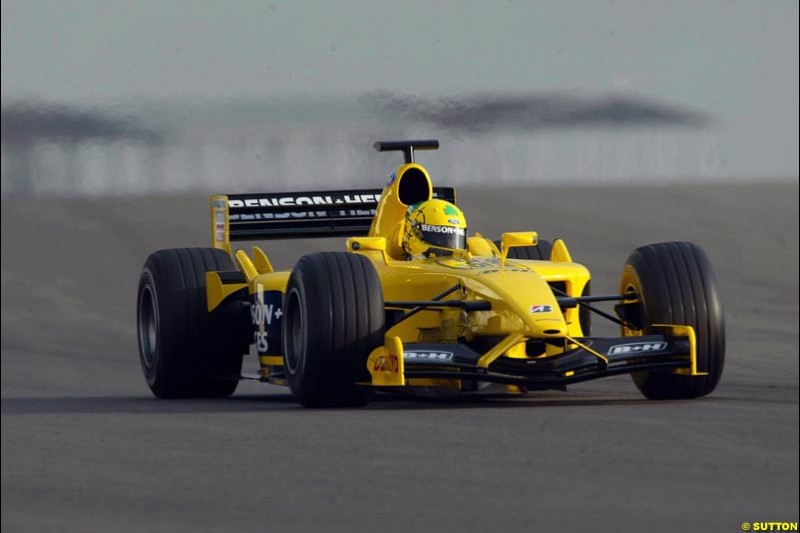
<point>515,239</point>
<point>216,291</point>
<point>386,365</point>
<point>220,223</point>
<point>390,215</point>
<point>688,331</point>
<point>523,304</point>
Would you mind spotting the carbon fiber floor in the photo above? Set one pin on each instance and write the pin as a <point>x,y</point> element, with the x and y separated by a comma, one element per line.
<point>86,448</point>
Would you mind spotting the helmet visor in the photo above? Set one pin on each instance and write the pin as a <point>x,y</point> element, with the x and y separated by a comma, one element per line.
<point>444,236</point>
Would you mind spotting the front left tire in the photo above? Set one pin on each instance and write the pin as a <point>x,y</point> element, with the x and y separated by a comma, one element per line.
<point>333,318</point>
<point>674,283</point>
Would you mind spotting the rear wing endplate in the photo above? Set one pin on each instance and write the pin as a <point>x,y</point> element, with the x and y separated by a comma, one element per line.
<point>297,215</point>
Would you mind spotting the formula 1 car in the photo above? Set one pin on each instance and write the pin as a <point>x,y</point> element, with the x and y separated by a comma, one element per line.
<point>512,314</point>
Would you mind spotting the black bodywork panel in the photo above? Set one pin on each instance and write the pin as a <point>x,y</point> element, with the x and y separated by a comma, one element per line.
<point>304,215</point>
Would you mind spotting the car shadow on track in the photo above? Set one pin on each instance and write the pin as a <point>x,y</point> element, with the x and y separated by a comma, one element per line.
<point>283,402</point>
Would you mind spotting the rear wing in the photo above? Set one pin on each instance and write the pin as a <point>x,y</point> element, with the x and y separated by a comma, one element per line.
<point>297,215</point>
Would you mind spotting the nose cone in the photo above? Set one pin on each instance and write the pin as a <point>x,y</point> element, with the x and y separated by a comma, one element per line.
<point>525,300</point>
<point>546,320</point>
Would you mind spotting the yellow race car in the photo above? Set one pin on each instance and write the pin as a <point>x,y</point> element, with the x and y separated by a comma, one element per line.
<point>415,303</point>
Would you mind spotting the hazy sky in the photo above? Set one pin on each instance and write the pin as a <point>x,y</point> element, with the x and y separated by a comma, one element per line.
<point>680,50</point>
<point>737,61</point>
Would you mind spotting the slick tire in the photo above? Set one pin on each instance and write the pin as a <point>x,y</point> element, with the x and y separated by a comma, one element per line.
<point>675,284</point>
<point>185,351</point>
<point>333,318</point>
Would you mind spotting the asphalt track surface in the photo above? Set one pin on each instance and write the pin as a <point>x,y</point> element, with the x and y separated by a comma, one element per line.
<point>85,447</point>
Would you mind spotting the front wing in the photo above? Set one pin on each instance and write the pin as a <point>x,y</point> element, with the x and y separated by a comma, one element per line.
<point>458,366</point>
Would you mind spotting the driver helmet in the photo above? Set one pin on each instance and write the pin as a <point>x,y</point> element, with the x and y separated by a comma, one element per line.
<point>434,227</point>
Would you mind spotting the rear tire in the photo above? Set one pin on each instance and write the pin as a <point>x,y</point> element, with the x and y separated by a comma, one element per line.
<point>333,318</point>
<point>185,351</point>
<point>675,284</point>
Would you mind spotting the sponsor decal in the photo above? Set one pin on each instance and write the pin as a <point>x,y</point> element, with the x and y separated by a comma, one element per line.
<point>290,201</point>
<point>312,201</point>
<point>245,217</point>
<point>484,262</point>
<point>261,341</point>
<point>637,347</point>
<point>490,264</point>
<point>428,355</point>
<point>442,229</point>
<point>507,269</point>
<point>219,226</point>
<point>454,221</point>
<point>386,363</point>
<point>539,308</point>
<point>453,263</point>
<point>265,315</point>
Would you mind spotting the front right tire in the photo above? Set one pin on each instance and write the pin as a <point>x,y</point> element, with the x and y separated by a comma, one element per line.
<point>674,283</point>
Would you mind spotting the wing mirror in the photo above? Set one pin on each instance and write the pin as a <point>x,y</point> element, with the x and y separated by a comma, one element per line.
<point>515,239</point>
